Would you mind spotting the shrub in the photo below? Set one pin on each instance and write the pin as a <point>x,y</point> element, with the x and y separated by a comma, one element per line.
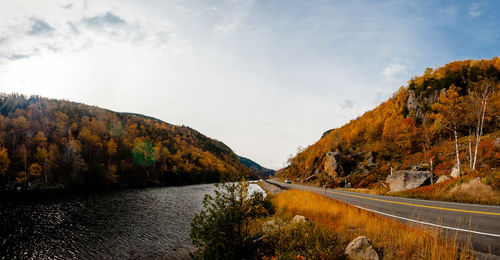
<point>301,241</point>
<point>222,229</point>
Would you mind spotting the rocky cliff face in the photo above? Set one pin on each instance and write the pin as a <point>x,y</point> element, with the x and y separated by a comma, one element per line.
<point>332,165</point>
<point>418,105</point>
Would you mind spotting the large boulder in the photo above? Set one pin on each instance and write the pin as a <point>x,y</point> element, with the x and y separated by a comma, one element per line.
<point>332,164</point>
<point>455,172</point>
<point>361,248</point>
<point>404,180</point>
<point>300,219</point>
<point>442,178</point>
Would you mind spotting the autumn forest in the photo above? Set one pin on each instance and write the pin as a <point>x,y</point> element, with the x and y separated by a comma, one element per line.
<point>47,143</point>
<point>446,120</point>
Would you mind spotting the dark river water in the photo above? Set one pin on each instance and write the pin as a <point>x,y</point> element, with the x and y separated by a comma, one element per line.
<point>134,224</point>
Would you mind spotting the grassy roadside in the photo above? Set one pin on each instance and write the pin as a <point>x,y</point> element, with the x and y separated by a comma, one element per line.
<point>391,239</point>
<point>468,189</point>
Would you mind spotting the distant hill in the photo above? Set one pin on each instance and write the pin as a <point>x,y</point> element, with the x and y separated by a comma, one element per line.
<point>255,167</point>
<point>415,129</point>
<point>47,142</point>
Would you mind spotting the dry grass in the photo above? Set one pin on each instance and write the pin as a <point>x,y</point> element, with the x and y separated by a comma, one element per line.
<point>466,189</point>
<point>393,240</point>
<point>475,191</point>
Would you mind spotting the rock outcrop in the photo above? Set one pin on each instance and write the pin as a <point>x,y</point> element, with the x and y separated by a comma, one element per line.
<point>404,180</point>
<point>332,164</point>
<point>370,158</point>
<point>442,178</point>
<point>361,248</point>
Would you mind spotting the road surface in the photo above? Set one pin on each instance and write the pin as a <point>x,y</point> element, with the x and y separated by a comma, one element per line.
<point>479,222</point>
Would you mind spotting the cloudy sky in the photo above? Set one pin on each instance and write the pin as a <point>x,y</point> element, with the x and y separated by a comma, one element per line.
<point>262,76</point>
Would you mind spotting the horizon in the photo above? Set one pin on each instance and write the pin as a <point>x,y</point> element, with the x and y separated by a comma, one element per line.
<point>261,77</point>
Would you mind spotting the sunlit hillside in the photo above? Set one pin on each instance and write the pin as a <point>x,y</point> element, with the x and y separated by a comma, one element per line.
<point>449,111</point>
<point>47,142</point>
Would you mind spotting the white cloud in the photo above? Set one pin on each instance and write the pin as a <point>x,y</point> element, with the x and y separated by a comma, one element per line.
<point>28,33</point>
<point>396,71</point>
<point>475,10</point>
<point>261,76</point>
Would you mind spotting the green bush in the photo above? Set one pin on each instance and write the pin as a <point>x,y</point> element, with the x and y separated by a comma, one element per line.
<point>222,229</point>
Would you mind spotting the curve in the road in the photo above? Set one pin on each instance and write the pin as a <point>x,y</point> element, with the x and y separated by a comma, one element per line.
<point>415,205</point>
<point>481,222</point>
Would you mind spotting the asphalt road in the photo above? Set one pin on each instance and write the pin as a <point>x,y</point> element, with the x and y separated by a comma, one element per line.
<point>480,223</point>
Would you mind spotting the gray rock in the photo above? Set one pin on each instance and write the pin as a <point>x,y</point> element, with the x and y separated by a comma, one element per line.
<point>496,144</point>
<point>455,173</point>
<point>332,164</point>
<point>361,248</point>
<point>404,180</point>
<point>370,158</point>
<point>300,219</point>
<point>412,103</point>
<point>442,178</point>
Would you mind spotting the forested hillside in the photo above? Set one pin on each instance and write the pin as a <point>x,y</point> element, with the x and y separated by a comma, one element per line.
<point>49,143</point>
<point>255,167</point>
<point>447,118</point>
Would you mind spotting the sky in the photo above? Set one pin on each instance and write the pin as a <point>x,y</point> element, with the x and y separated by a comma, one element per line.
<point>264,77</point>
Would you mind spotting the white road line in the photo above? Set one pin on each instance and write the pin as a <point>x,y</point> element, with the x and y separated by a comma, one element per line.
<point>427,223</point>
<point>400,199</point>
<point>424,201</point>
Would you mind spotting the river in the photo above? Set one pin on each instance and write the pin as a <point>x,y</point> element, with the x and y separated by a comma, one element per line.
<point>134,223</point>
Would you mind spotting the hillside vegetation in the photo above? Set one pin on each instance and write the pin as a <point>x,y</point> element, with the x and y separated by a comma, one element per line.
<point>447,118</point>
<point>255,167</point>
<point>46,143</point>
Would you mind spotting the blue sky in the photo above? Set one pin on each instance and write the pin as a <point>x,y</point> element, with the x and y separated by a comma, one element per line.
<point>262,76</point>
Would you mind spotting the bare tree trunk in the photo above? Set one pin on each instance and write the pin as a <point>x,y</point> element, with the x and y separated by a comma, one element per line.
<point>457,152</point>
<point>480,130</point>
<point>470,152</point>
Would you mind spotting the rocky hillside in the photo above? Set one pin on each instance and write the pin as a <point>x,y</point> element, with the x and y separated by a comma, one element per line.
<point>445,123</point>
<point>255,167</point>
<point>49,143</point>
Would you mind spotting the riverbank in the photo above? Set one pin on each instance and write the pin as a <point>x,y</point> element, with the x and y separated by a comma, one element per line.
<point>270,188</point>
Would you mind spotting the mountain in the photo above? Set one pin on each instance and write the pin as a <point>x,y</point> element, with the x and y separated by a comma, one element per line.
<point>415,130</point>
<point>47,142</point>
<point>255,167</point>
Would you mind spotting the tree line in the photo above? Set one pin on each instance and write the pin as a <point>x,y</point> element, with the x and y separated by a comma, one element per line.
<point>46,141</point>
